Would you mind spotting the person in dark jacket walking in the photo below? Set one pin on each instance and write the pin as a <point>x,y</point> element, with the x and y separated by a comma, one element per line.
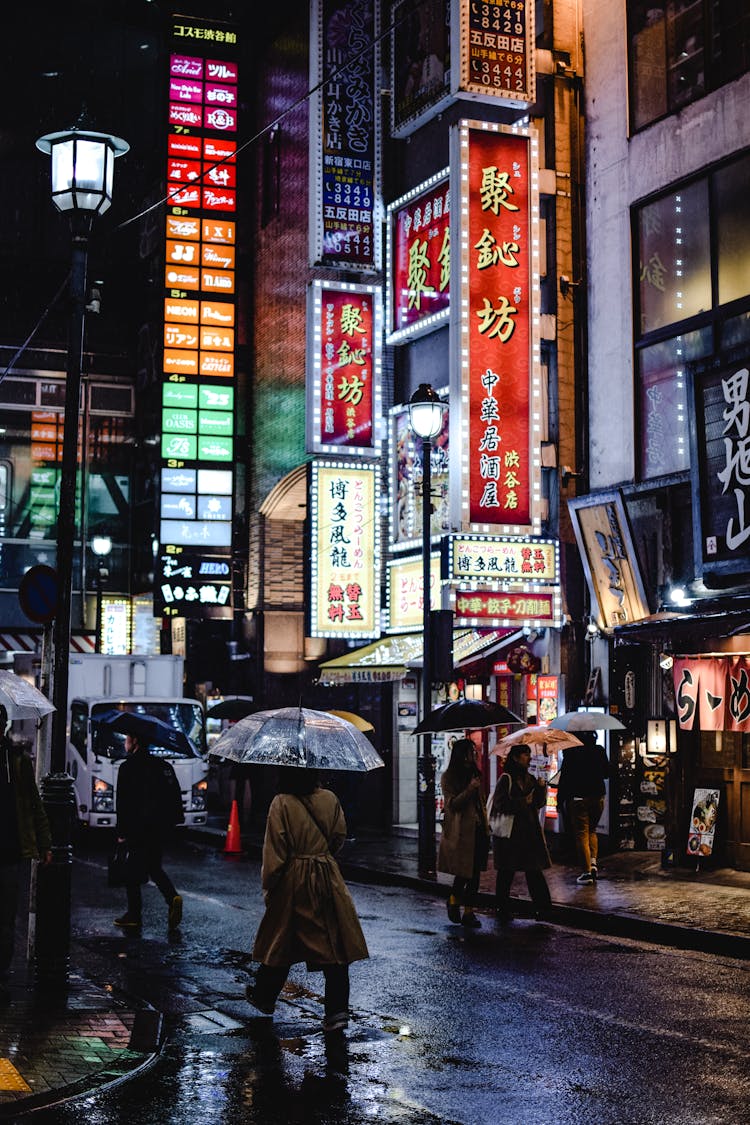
<point>24,834</point>
<point>149,805</point>
<point>581,792</point>
<point>465,838</point>
<point>521,795</point>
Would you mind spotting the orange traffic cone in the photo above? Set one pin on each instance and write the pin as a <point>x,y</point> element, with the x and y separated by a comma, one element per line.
<point>233,843</point>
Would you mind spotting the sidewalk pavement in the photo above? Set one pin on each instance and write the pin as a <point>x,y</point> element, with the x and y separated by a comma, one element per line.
<point>50,1053</point>
<point>635,897</point>
<point>53,1049</point>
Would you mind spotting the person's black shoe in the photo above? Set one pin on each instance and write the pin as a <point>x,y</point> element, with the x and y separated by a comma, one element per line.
<point>470,920</point>
<point>454,910</point>
<point>266,1009</point>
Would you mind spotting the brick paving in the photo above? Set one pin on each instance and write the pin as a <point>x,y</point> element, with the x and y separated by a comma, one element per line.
<point>53,1050</point>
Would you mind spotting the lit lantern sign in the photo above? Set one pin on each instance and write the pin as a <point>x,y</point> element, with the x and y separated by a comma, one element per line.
<point>495,452</point>
<point>344,585</point>
<point>418,259</point>
<point>199,315</point>
<point>537,606</point>
<point>405,586</point>
<point>344,124</point>
<point>494,44</point>
<point>344,386</point>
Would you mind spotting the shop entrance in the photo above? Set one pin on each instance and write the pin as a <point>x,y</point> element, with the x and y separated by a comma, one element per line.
<point>725,759</point>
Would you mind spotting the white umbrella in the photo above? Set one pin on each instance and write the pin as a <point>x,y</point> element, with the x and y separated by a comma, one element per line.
<point>21,699</point>
<point>297,736</point>
<point>587,720</point>
<point>537,736</point>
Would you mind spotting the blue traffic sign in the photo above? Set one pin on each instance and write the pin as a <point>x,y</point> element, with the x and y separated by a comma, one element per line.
<point>38,594</point>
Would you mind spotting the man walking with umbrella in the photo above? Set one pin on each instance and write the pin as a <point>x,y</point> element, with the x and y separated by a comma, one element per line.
<point>149,805</point>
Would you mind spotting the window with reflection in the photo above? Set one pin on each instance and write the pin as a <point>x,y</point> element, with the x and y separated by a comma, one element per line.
<point>681,50</point>
<point>692,290</point>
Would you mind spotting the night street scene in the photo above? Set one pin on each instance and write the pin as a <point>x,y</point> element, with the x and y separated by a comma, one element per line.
<point>375,562</point>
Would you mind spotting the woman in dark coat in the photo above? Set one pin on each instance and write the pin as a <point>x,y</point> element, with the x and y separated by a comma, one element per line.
<point>519,793</point>
<point>465,840</point>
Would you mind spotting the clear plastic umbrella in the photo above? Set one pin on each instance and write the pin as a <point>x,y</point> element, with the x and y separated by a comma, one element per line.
<point>298,736</point>
<point>587,720</point>
<point>21,699</point>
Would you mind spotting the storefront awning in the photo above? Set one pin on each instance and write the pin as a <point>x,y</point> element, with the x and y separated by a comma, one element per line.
<point>685,629</point>
<point>392,658</point>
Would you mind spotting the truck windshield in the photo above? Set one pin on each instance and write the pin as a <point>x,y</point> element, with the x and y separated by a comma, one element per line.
<point>177,729</point>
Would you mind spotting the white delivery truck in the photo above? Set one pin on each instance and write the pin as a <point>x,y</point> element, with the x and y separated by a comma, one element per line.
<point>103,687</point>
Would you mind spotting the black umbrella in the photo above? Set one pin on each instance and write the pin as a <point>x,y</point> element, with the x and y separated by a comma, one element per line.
<point>467,714</point>
<point>149,730</point>
<point>233,707</point>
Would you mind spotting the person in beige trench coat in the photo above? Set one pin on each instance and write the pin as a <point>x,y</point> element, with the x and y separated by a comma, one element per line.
<point>465,839</point>
<point>309,915</point>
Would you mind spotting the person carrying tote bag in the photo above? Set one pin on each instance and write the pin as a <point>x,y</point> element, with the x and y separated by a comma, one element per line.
<point>518,842</point>
<point>465,838</point>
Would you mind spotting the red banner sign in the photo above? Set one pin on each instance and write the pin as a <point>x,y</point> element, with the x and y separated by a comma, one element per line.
<point>712,692</point>
<point>419,232</point>
<point>537,607</point>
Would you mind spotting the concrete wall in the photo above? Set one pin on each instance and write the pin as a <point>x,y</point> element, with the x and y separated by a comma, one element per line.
<point>621,171</point>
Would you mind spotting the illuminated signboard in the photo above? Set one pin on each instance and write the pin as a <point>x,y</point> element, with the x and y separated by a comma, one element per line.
<point>405,459</point>
<point>405,586</point>
<point>420,63</point>
<point>502,560</point>
<point>114,639</point>
<point>344,380</point>
<point>418,259</point>
<point>191,584</point>
<point>199,312</point>
<point>496,400</point>
<point>344,581</point>
<point>344,124</point>
<point>493,45</point>
<point>538,606</point>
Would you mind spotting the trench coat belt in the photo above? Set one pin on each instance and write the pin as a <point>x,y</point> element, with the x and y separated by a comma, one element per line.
<point>321,887</point>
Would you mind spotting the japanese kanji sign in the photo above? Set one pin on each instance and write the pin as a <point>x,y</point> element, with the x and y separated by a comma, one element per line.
<point>509,560</point>
<point>419,259</point>
<point>496,51</point>
<point>722,467</point>
<point>344,117</point>
<point>344,376</point>
<point>199,318</point>
<point>712,692</point>
<point>504,607</point>
<point>405,592</point>
<point>495,318</point>
<point>344,583</point>
<point>606,547</point>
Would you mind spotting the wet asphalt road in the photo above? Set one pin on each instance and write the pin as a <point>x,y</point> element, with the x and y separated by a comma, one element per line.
<point>521,1025</point>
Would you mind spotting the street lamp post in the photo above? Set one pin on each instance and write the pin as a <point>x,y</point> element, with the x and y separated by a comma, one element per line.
<point>101,545</point>
<point>426,421</point>
<point>82,175</point>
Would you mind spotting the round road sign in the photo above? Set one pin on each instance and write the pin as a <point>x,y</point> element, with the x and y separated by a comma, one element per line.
<point>37,594</point>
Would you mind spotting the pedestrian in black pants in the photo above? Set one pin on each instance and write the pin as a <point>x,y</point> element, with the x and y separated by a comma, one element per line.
<point>465,839</point>
<point>149,805</point>
<point>514,812</point>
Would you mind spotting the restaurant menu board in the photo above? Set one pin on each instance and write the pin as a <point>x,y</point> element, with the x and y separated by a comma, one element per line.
<point>651,810</point>
<point>700,842</point>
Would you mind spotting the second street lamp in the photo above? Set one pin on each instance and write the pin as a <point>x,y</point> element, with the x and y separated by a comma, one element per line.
<point>82,174</point>
<point>101,545</point>
<point>426,420</point>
